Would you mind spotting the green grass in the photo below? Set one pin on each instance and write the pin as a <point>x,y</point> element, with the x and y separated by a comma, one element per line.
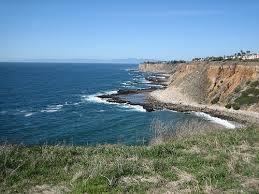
<point>224,160</point>
<point>248,96</point>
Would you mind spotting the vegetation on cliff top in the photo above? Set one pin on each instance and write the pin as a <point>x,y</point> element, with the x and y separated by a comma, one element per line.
<point>247,96</point>
<point>218,161</point>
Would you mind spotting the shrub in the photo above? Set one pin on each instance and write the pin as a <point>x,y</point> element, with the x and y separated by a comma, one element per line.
<point>236,106</point>
<point>228,106</point>
<point>255,83</point>
<point>253,91</point>
<point>215,100</point>
<point>242,100</point>
<point>238,89</point>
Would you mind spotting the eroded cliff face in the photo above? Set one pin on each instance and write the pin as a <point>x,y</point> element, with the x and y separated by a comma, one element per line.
<point>211,82</point>
<point>224,79</point>
<point>156,68</point>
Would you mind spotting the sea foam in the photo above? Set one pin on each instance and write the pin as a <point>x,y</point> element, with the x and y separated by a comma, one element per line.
<point>29,114</point>
<point>95,99</point>
<point>130,107</point>
<point>217,120</point>
<point>52,108</point>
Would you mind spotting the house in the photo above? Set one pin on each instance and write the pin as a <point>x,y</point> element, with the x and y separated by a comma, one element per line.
<point>251,56</point>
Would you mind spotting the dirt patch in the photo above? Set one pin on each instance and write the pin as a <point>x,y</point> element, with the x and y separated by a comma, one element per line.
<point>178,186</point>
<point>48,189</point>
<point>131,180</point>
<point>252,183</point>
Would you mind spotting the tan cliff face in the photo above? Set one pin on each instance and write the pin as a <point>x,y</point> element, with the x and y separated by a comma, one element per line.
<point>211,82</point>
<point>156,68</point>
<point>225,78</point>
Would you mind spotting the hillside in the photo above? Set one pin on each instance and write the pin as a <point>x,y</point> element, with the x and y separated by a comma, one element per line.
<point>229,83</point>
<point>157,67</point>
<point>216,162</point>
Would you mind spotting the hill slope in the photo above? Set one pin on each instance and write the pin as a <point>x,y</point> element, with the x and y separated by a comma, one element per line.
<point>222,83</point>
<point>220,161</point>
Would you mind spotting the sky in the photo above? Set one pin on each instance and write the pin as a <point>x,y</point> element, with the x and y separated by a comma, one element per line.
<point>114,29</point>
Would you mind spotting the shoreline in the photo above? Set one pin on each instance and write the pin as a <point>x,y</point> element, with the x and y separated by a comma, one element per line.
<point>160,98</point>
<point>240,117</point>
<point>172,99</point>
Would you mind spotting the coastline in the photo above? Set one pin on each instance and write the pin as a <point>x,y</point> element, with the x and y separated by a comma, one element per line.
<point>205,87</point>
<point>171,98</point>
<point>240,116</point>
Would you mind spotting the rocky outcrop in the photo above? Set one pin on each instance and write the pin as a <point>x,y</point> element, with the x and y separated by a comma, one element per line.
<point>225,78</point>
<point>211,82</point>
<point>157,67</point>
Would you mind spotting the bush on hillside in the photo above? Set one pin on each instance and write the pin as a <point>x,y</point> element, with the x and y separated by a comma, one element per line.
<point>236,106</point>
<point>255,84</point>
<point>228,106</point>
<point>215,100</point>
<point>238,89</point>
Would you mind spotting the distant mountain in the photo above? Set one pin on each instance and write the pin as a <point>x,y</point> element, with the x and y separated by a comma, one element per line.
<point>76,60</point>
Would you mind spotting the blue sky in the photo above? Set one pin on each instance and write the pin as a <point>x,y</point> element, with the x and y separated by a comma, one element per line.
<point>106,29</point>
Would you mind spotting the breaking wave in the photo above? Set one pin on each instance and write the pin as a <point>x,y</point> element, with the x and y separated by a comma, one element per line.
<point>217,120</point>
<point>52,108</point>
<point>29,114</point>
<point>95,99</point>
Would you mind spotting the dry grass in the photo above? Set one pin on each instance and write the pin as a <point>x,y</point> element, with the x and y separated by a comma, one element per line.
<point>215,162</point>
<point>164,131</point>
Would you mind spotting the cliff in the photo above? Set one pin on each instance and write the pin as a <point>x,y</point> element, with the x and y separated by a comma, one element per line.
<point>157,67</point>
<point>226,83</point>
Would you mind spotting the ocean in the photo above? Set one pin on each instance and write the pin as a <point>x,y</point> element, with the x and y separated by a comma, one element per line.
<point>57,103</point>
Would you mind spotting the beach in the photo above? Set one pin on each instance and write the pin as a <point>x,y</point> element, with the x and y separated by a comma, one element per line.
<point>173,99</point>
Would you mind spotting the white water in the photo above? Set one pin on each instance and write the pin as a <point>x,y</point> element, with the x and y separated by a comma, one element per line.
<point>95,99</point>
<point>52,108</point>
<point>217,120</point>
<point>29,114</point>
<point>134,107</point>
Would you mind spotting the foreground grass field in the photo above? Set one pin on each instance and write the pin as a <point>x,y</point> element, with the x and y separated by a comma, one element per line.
<point>216,162</point>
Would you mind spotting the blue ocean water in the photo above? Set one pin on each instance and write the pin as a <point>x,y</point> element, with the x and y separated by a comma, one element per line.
<point>50,103</point>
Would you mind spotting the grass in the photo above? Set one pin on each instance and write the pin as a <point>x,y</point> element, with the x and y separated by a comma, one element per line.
<point>217,161</point>
<point>248,96</point>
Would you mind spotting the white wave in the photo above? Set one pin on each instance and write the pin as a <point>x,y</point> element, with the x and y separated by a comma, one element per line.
<point>52,108</point>
<point>130,107</point>
<point>95,99</point>
<point>137,108</point>
<point>71,104</point>
<point>217,120</point>
<point>29,114</point>
<point>132,69</point>
<point>127,83</point>
<point>164,109</point>
<point>161,77</point>
<point>111,92</point>
<point>144,81</point>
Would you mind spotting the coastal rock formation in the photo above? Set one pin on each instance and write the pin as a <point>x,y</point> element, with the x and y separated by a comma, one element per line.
<point>210,82</point>
<point>157,67</point>
<point>225,78</point>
